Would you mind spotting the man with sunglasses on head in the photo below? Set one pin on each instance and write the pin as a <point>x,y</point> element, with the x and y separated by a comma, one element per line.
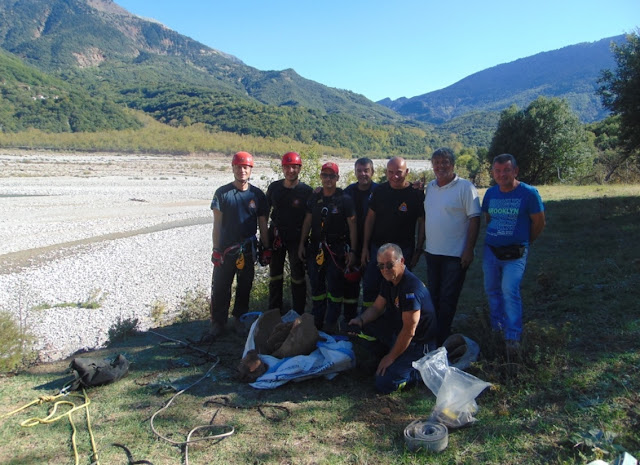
<point>331,220</point>
<point>400,325</point>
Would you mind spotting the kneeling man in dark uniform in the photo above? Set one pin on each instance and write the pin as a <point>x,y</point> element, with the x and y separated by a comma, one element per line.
<point>401,323</point>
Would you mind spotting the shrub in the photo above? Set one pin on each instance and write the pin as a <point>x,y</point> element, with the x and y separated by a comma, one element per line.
<point>158,311</point>
<point>193,306</point>
<point>14,344</point>
<point>122,329</point>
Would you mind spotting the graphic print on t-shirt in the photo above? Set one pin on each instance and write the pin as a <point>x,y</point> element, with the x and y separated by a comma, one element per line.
<point>504,215</point>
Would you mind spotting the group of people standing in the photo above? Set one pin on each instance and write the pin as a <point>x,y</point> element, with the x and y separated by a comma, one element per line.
<point>371,235</point>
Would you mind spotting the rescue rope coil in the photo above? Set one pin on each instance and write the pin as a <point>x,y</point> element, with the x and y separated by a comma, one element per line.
<point>52,417</point>
<point>427,435</point>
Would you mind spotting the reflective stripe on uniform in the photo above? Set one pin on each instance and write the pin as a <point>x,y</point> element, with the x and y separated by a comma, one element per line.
<point>366,337</point>
<point>319,297</point>
<point>334,299</point>
<point>276,278</point>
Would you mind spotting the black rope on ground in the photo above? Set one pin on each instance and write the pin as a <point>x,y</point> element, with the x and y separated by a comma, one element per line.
<point>225,402</point>
<point>130,455</point>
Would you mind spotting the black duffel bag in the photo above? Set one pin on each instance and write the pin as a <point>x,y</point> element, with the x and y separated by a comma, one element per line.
<point>91,372</point>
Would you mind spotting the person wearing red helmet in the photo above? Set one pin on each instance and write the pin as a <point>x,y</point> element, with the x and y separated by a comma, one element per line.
<point>327,241</point>
<point>287,200</point>
<point>239,209</point>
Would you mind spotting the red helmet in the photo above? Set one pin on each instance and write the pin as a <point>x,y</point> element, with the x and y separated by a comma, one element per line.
<point>242,158</point>
<point>352,275</point>
<point>291,158</point>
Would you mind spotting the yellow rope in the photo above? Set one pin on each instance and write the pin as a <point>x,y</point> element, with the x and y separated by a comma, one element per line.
<point>52,418</point>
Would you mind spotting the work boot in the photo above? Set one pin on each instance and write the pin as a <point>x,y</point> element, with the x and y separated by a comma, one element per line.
<point>215,331</point>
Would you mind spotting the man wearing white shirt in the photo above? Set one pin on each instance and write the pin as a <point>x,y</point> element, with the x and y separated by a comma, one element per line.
<point>452,222</point>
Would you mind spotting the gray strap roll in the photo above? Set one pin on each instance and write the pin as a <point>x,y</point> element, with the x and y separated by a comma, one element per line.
<point>423,434</point>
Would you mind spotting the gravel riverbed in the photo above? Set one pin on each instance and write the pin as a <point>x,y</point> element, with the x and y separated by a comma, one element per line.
<point>129,230</point>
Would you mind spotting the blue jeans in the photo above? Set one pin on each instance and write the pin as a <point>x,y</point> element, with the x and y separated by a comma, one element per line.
<point>502,280</point>
<point>445,277</point>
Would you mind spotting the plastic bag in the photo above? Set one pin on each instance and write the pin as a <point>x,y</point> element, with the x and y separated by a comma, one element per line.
<point>454,389</point>
<point>455,402</point>
<point>432,367</point>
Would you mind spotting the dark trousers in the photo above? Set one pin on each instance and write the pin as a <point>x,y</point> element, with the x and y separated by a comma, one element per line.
<point>327,285</point>
<point>350,300</point>
<point>221,282</point>
<point>400,373</point>
<point>276,278</point>
<point>445,278</point>
<point>372,276</point>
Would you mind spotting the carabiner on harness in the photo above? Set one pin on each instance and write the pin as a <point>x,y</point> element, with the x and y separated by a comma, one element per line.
<point>320,255</point>
<point>240,259</point>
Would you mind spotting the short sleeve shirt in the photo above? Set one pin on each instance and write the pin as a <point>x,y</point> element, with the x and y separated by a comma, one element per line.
<point>509,211</point>
<point>448,210</point>
<point>410,295</point>
<point>288,207</point>
<point>397,211</point>
<point>361,205</point>
<point>240,212</point>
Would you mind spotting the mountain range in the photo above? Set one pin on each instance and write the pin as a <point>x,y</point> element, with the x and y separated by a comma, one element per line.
<point>96,51</point>
<point>570,73</point>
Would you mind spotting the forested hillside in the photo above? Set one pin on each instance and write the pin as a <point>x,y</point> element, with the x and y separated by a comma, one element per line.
<point>76,65</point>
<point>98,45</point>
<point>31,99</point>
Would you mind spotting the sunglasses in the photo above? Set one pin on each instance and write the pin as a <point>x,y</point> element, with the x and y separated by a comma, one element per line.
<point>388,265</point>
<point>328,176</point>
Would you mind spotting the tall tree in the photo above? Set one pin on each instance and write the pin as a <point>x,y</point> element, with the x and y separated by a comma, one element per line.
<point>620,93</point>
<point>546,138</point>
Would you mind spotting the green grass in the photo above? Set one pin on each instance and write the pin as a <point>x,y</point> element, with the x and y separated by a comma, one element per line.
<point>93,301</point>
<point>572,397</point>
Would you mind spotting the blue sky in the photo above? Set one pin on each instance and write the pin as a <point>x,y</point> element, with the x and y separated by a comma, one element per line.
<point>389,48</point>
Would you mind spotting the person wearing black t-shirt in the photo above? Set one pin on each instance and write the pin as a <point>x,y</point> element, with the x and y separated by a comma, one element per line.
<point>239,208</point>
<point>287,200</point>
<point>401,321</point>
<point>360,192</point>
<point>394,211</point>
<point>331,220</point>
